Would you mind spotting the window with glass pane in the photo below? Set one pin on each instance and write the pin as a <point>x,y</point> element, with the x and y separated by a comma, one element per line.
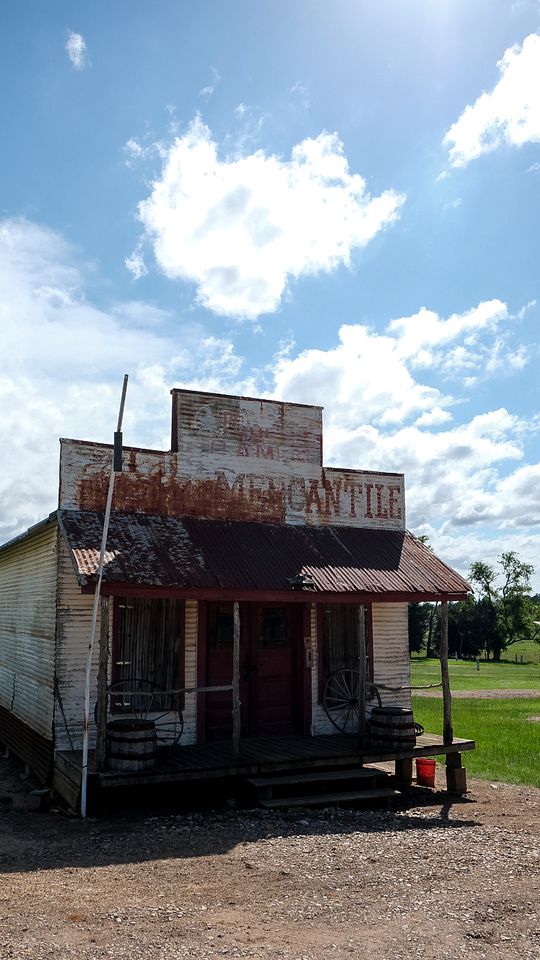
<point>273,631</point>
<point>221,626</point>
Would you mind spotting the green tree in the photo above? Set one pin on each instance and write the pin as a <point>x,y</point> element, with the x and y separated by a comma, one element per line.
<point>505,613</point>
<point>419,614</point>
<point>464,631</point>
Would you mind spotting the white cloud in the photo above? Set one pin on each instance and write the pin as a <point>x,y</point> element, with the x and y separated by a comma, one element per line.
<point>453,204</point>
<point>209,89</point>
<point>62,362</point>
<point>425,330</point>
<point>240,228</point>
<point>135,264</point>
<point>76,50</point>
<point>509,114</point>
<point>379,414</point>
<point>467,481</point>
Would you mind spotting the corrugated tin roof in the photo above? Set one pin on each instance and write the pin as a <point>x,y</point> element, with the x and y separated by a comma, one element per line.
<point>195,554</point>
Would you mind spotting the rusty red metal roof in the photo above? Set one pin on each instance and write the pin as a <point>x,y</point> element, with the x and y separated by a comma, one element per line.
<point>194,556</point>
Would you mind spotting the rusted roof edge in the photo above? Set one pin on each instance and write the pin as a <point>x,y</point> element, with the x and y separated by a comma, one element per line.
<point>81,578</point>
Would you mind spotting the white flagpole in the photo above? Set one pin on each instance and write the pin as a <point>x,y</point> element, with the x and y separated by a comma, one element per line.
<point>116,467</point>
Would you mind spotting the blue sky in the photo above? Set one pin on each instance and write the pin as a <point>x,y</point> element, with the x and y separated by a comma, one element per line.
<point>328,203</point>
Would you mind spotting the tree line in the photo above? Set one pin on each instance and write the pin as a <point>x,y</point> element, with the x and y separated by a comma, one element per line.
<point>501,611</point>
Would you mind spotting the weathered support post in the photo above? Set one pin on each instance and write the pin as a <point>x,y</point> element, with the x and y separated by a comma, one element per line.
<point>456,778</point>
<point>236,678</point>
<point>362,670</point>
<point>448,733</point>
<point>101,706</point>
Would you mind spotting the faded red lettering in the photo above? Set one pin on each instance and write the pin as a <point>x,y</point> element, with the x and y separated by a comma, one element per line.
<point>313,498</point>
<point>394,507</point>
<point>368,511</point>
<point>332,497</point>
<point>231,420</point>
<point>261,454</point>
<point>238,486</point>
<point>296,494</point>
<point>382,512</point>
<point>350,486</point>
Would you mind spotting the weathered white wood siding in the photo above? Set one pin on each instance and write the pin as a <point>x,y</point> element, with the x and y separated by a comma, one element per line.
<point>74,618</point>
<point>73,625</point>
<point>319,721</point>
<point>27,628</point>
<point>391,666</point>
<point>190,637</point>
<point>391,663</point>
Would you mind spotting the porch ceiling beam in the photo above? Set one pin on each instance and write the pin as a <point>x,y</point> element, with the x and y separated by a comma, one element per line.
<point>268,596</point>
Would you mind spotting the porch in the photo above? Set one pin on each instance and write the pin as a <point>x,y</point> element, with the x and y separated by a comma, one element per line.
<point>256,757</point>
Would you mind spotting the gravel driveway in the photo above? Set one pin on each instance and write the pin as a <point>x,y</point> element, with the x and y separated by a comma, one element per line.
<point>442,880</point>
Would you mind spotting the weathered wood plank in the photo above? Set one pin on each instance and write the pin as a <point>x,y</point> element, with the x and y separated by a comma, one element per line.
<point>383,793</point>
<point>321,776</point>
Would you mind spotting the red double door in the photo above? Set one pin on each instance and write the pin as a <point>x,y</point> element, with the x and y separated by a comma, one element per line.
<point>272,681</point>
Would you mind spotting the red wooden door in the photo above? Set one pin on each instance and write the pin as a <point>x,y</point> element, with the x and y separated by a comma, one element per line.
<point>274,705</point>
<point>270,670</point>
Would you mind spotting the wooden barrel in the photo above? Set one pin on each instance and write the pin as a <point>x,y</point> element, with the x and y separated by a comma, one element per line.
<point>392,728</point>
<point>131,744</point>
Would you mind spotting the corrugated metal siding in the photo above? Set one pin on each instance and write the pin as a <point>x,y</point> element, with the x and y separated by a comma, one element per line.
<point>191,635</point>
<point>27,629</point>
<point>73,625</point>
<point>391,663</point>
<point>33,749</point>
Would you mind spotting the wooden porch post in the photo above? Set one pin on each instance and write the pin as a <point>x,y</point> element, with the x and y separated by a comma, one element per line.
<point>236,678</point>
<point>448,733</point>
<point>102,706</point>
<point>362,676</point>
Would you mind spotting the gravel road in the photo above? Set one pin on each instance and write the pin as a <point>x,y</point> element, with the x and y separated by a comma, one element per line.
<point>434,879</point>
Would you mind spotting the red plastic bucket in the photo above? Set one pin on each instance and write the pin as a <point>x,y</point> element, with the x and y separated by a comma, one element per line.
<point>425,772</point>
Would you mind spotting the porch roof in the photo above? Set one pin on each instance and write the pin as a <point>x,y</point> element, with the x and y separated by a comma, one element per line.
<point>194,557</point>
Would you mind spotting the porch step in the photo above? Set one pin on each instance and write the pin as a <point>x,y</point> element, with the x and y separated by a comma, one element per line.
<point>316,788</point>
<point>322,799</point>
<point>325,776</point>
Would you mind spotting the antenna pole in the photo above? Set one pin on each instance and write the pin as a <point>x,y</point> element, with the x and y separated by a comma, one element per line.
<point>116,467</point>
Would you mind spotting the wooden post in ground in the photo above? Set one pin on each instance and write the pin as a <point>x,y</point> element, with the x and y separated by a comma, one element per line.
<point>455,774</point>
<point>404,770</point>
<point>362,670</point>
<point>448,732</point>
<point>236,678</point>
<point>102,706</point>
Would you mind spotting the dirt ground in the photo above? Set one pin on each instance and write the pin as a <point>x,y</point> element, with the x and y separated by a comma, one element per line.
<point>436,878</point>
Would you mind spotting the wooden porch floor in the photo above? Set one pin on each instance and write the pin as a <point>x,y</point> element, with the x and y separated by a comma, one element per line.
<point>257,756</point>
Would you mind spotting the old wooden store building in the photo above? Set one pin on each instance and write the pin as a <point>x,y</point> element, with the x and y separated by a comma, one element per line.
<point>252,619</point>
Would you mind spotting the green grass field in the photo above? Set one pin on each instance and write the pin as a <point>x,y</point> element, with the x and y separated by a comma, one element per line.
<point>506,675</point>
<point>507,739</point>
<point>526,649</point>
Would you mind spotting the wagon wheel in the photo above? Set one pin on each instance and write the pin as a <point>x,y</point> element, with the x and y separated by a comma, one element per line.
<point>341,699</point>
<point>143,700</point>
